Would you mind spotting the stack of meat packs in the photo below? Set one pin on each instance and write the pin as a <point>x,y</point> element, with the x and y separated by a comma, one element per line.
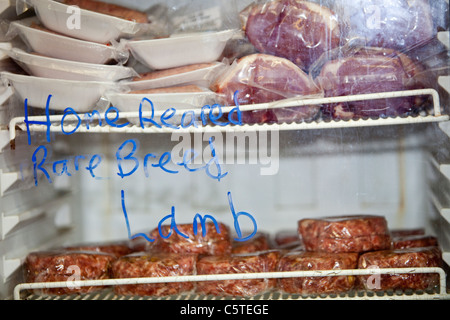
<point>336,243</point>
<point>307,49</point>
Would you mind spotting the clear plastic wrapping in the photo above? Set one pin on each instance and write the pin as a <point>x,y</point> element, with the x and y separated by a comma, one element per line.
<point>357,233</point>
<point>401,258</point>
<point>300,31</point>
<point>414,241</point>
<point>362,70</point>
<point>154,265</point>
<point>312,261</point>
<point>262,78</point>
<point>259,242</point>
<point>115,248</point>
<point>67,265</point>
<point>263,261</point>
<point>210,240</point>
<point>89,20</point>
<point>46,67</point>
<point>396,24</point>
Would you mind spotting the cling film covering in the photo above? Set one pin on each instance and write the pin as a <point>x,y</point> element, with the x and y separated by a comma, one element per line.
<point>214,254</point>
<point>273,51</point>
<point>262,261</point>
<point>211,240</point>
<point>154,265</point>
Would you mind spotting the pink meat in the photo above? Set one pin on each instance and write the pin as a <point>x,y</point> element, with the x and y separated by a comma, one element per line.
<point>261,78</point>
<point>296,30</point>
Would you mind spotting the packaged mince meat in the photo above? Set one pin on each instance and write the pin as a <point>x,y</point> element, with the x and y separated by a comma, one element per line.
<point>311,261</point>
<point>400,258</point>
<point>357,233</point>
<point>414,241</point>
<point>259,242</point>
<point>116,248</point>
<point>69,266</point>
<point>149,264</point>
<point>189,238</point>
<point>262,261</point>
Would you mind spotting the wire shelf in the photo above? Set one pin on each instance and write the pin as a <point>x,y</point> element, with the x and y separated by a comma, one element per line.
<point>109,294</point>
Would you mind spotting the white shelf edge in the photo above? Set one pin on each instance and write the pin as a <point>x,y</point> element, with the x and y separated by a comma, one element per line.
<point>57,126</point>
<point>237,276</point>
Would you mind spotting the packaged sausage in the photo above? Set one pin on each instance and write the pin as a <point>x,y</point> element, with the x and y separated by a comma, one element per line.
<point>354,233</point>
<point>69,266</point>
<point>311,261</point>
<point>154,265</point>
<point>400,258</point>
<point>211,240</point>
<point>263,261</point>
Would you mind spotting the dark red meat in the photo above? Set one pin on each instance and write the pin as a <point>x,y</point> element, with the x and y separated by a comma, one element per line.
<point>407,232</point>
<point>300,31</point>
<point>259,242</point>
<point>311,261</point>
<point>264,261</point>
<point>414,241</point>
<point>357,233</point>
<point>261,78</point>
<point>63,265</point>
<point>401,258</point>
<point>154,265</point>
<point>213,243</point>
<point>116,248</point>
<point>370,70</point>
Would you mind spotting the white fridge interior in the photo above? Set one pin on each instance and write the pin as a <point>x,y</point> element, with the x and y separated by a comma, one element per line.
<point>395,167</point>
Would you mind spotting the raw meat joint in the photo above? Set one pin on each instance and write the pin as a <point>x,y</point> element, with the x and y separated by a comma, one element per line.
<point>369,70</point>
<point>396,24</point>
<point>261,78</point>
<point>300,31</point>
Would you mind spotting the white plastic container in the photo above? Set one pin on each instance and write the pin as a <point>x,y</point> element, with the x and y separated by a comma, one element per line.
<point>179,50</point>
<point>58,46</point>
<point>81,96</point>
<point>92,26</point>
<point>41,66</point>
<point>201,77</point>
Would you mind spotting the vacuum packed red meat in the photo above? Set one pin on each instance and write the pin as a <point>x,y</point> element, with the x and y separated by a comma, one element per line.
<point>263,261</point>
<point>357,233</point>
<point>311,261</point>
<point>154,265</point>
<point>69,266</point>
<point>400,258</point>
<point>414,241</point>
<point>214,241</point>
